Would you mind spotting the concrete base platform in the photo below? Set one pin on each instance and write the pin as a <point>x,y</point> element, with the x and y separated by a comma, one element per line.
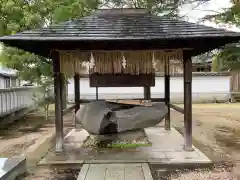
<point>10,168</point>
<point>166,149</point>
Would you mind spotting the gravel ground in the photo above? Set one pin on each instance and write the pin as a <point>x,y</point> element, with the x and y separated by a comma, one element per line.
<point>216,132</point>
<point>16,138</point>
<point>21,134</point>
<point>216,173</point>
<point>48,174</point>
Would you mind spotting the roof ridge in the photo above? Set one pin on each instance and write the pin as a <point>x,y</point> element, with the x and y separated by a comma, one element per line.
<point>118,11</point>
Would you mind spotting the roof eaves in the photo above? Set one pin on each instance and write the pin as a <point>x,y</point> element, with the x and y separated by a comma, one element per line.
<point>5,75</point>
<point>28,38</point>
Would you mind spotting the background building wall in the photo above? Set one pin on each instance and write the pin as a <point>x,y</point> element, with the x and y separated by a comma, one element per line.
<point>204,88</point>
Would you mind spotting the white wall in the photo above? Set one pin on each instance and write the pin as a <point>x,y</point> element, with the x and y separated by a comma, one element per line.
<point>204,88</point>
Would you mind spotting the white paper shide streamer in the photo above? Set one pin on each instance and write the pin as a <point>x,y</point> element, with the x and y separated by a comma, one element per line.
<point>124,61</point>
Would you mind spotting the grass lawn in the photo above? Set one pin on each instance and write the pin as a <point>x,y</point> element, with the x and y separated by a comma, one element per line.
<point>128,145</point>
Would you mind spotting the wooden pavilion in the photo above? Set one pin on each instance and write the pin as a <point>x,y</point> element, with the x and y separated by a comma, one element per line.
<point>122,45</point>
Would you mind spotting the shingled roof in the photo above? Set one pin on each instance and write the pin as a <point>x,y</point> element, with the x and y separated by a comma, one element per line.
<point>122,26</point>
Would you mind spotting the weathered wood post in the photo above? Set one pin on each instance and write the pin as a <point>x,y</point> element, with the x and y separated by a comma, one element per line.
<point>58,101</point>
<point>167,94</point>
<point>147,92</point>
<point>77,91</point>
<point>96,93</point>
<point>187,66</point>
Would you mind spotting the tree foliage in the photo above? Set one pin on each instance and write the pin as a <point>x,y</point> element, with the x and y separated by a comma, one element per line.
<point>228,15</point>
<point>20,15</point>
<point>228,58</point>
<point>30,67</point>
<point>154,6</point>
<point>158,7</point>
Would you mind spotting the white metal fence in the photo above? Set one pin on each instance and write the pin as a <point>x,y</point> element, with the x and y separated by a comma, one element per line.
<point>14,99</point>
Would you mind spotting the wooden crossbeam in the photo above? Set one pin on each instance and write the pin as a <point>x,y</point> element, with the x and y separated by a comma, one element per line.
<point>132,102</point>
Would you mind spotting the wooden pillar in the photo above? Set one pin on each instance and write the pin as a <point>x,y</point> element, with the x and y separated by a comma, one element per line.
<point>77,91</point>
<point>147,92</point>
<point>77,94</point>
<point>167,94</point>
<point>58,101</point>
<point>187,66</point>
<point>96,93</point>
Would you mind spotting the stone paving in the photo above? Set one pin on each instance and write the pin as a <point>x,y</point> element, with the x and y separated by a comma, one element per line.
<point>167,148</point>
<point>136,171</point>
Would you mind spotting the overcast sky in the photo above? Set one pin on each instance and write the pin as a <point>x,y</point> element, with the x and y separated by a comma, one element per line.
<point>199,10</point>
<point>195,12</point>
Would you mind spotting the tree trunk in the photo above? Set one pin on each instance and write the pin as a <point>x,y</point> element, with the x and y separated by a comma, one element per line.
<point>46,111</point>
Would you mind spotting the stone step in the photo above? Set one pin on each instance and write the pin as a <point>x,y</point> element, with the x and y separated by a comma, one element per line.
<point>127,171</point>
<point>10,168</point>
